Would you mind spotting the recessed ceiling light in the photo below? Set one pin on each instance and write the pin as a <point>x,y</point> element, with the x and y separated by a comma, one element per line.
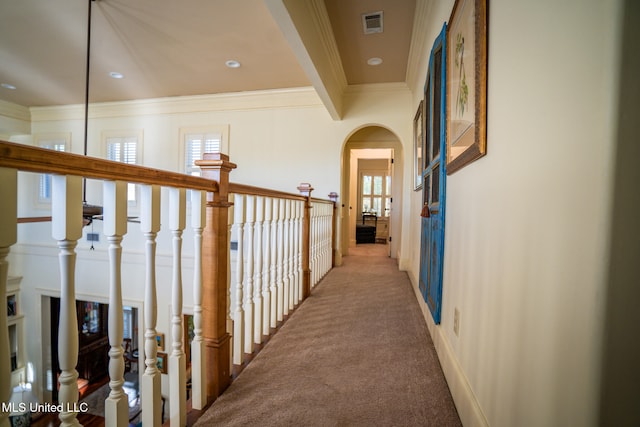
<point>232,63</point>
<point>374,61</point>
<point>116,75</point>
<point>8,86</point>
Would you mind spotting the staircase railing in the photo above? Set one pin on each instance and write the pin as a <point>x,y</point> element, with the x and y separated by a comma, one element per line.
<point>271,260</point>
<point>282,248</point>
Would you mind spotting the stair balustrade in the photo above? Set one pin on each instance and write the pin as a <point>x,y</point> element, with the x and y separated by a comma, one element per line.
<point>241,293</point>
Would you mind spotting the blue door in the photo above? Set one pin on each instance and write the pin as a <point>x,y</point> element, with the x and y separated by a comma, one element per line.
<point>434,179</point>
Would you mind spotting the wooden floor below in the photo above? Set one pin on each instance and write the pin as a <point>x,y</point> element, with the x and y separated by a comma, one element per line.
<point>52,420</point>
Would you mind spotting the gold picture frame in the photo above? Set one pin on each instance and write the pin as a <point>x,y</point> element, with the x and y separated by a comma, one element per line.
<point>160,341</point>
<point>162,362</point>
<point>418,139</point>
<point>466,83</point>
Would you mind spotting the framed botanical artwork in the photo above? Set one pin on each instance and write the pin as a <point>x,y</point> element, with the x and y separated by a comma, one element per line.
<point>418,137</point>
<point>163,362</point>
<point>466,83</point>
<point>160,341</point>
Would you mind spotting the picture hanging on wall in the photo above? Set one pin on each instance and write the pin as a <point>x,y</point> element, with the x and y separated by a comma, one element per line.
<point>163,362</point>
<point>466,83</point>
<point>418,136</point>
<point>160,341</point>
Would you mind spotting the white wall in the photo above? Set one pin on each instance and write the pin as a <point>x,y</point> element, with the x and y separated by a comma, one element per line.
<point>527,225</point>
<point>14,120</point>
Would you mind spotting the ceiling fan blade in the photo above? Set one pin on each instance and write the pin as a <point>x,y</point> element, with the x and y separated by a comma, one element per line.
<point>34,219</point>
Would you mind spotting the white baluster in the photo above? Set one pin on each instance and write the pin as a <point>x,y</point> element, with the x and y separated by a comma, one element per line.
<point>273,275</point>
<point>266,266</point>
<point>8,237</point>
<point>320,240</point>
<point>248,274</point>
<point>316,246</point>
<point>285,256</point>
<point>324,244</point>
<point>150,226</point>
<point>327,237</point>
<point>312,244</point>
<point>177,362</point>
<point>279,265</point>
<point>297,245</point>
<point>115,226</point>
<point>291,257</point>
<point>323,250</point>
<point>318,209</point>
<point>66,226</point>
<point>257,272</point>
<point>238,315</point>
<point>198,367</point>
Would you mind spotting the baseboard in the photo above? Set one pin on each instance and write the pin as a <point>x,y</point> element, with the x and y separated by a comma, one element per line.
<point>467,404</point>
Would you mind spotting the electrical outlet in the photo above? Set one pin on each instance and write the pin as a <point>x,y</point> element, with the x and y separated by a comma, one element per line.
<point>456,321</point>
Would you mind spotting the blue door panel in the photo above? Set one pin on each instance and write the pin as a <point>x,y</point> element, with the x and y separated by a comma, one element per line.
<point>434,180</point>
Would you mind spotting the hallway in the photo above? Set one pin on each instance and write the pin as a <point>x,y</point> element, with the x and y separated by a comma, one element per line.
<point>356,352</point>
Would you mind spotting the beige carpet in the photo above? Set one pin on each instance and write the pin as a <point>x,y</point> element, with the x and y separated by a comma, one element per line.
<point>355,353</point>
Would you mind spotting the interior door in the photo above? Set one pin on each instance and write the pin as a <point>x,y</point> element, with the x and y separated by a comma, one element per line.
<point>434,180</point>
<point>375,197</point>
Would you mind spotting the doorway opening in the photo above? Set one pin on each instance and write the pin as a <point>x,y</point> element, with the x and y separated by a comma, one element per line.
<point>371,189</point>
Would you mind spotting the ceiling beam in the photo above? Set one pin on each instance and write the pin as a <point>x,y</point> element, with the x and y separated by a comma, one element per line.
<point>305,24</point>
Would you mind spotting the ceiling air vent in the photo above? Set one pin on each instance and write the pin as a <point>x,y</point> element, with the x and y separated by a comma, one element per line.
<point>372,22</point>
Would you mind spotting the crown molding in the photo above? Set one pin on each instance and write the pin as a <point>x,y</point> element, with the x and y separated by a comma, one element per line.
<point>418,50</point>
<point>328,40</point>
<point>14,111</point>
<point>305,25</point>
<point>376,87</point>
<point>250,100</point>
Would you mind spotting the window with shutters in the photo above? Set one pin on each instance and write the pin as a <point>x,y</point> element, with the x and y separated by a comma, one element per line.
<point>376,193</point>
<point>196,145</point>
<point>59,142</point>
<point>198,141</point>
<point>125,148</point>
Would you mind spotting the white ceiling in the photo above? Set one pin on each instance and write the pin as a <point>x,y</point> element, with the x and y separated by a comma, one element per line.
<point>170,48</point>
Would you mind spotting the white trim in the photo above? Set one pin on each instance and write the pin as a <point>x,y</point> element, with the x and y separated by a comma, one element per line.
<point>466,402</point>
<point>14,111</point>
<point>250,100</point>
<point>377,87</point>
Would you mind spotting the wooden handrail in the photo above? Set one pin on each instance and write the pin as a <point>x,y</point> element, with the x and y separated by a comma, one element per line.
<point>328,202</point>
<point>34,219</point>
<point>41,160</point>
<point>258,191</point>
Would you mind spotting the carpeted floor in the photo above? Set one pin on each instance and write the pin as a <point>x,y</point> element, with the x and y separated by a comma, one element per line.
<point>356,353</point>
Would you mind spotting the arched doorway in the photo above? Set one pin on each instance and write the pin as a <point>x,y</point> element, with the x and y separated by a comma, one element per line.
<point>372,153</point>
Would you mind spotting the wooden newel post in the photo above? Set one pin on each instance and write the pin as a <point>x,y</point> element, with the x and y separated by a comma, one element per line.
<point>305,190</point>
<point>215,253</point>
<point>333,196</point>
